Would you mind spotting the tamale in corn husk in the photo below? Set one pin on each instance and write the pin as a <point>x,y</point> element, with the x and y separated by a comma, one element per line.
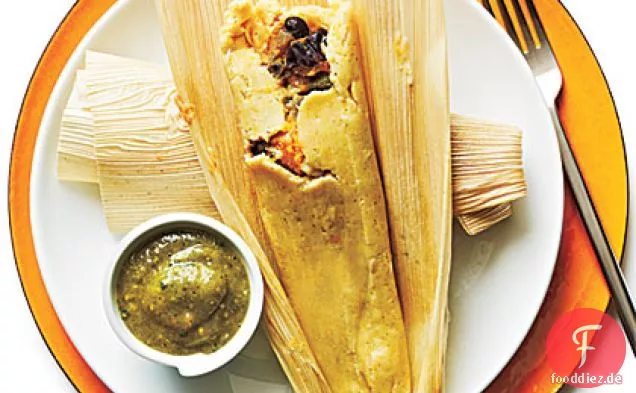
<point>405,64</point>
<point>305,123</point>
<point>191,34</point>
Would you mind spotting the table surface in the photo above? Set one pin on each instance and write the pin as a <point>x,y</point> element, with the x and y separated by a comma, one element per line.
<point>27,25</point>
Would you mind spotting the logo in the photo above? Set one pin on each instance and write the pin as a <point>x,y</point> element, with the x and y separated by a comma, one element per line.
<point>586,348</point>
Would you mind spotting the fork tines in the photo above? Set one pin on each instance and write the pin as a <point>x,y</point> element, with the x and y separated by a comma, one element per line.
<point>520,20</point>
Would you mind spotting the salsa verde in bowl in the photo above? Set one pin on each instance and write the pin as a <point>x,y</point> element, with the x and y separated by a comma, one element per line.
<point>184,290</point>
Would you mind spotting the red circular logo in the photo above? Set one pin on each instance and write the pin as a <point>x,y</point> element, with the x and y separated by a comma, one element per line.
<point>586,348</point>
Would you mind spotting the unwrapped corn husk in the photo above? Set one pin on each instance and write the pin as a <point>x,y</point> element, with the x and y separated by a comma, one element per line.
<point>487,165</point>
<point>487,172</point>
<point>477,222</point>
<point>76,145</point>
<point>404,55</point>
<point>77,159</point>
<point>145,158</point>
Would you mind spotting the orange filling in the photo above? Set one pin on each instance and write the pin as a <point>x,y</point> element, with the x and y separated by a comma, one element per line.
<point>288,145</point>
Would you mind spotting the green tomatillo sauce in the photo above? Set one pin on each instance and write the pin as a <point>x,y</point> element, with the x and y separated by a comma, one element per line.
<point>184,293</point>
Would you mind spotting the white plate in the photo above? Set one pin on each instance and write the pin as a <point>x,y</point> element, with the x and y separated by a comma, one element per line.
<point>499,279</point>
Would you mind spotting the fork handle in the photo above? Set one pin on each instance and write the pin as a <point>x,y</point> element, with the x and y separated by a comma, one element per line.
<point>609,265</point>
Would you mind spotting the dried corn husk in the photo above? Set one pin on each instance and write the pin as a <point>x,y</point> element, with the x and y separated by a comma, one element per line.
<point>76,159</point>
<point>487,165</point>
<point>191,33</point>
<point>143,160</point>
<point>409,92</point>
<point>477,222</point>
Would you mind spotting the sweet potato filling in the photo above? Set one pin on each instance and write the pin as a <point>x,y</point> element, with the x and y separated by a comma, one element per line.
<point>284,148</point>
<point>291,154</point>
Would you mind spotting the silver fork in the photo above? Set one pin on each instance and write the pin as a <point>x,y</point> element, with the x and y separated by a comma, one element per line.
<point>539,56</point>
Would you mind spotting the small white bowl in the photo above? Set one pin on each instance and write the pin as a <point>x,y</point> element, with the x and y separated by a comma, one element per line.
<point>197,364</point>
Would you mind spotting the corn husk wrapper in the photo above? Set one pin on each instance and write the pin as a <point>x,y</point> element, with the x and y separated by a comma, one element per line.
<point>409,91</point>
<point>191,34</point>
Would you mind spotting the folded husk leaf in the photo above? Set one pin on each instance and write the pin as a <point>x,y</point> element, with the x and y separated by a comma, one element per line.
<point>145,164</point>
<point>477,222</point>
<point>404,55</point>
<point>76,159</point>
<point>487,165</point>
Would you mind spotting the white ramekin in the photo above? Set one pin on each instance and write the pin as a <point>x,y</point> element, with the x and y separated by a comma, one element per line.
<point>188,365</point>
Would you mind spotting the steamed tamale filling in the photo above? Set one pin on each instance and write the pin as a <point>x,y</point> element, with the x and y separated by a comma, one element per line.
<point>294,56</point>
<point>284,147</point>
<point>291,155</point>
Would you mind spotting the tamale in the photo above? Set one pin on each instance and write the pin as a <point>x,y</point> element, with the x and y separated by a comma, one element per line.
<point>405,64</point>
<point>191,34</point>
<point>309,146</point>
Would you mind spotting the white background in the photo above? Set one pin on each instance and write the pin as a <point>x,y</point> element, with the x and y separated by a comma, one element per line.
<point>26,27</point>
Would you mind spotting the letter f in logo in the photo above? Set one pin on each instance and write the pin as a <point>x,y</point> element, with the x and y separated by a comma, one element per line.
<point>584,347</point>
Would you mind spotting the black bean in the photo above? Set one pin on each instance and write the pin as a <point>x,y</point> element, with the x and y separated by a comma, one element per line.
<point>318,38</point>
<point>313,44</point>
<point>293,53</point>
<point>258,147</point>
<point>303,54</point>
<point>321,36</point>
<point>297,27</point>
<point>275,69</point>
